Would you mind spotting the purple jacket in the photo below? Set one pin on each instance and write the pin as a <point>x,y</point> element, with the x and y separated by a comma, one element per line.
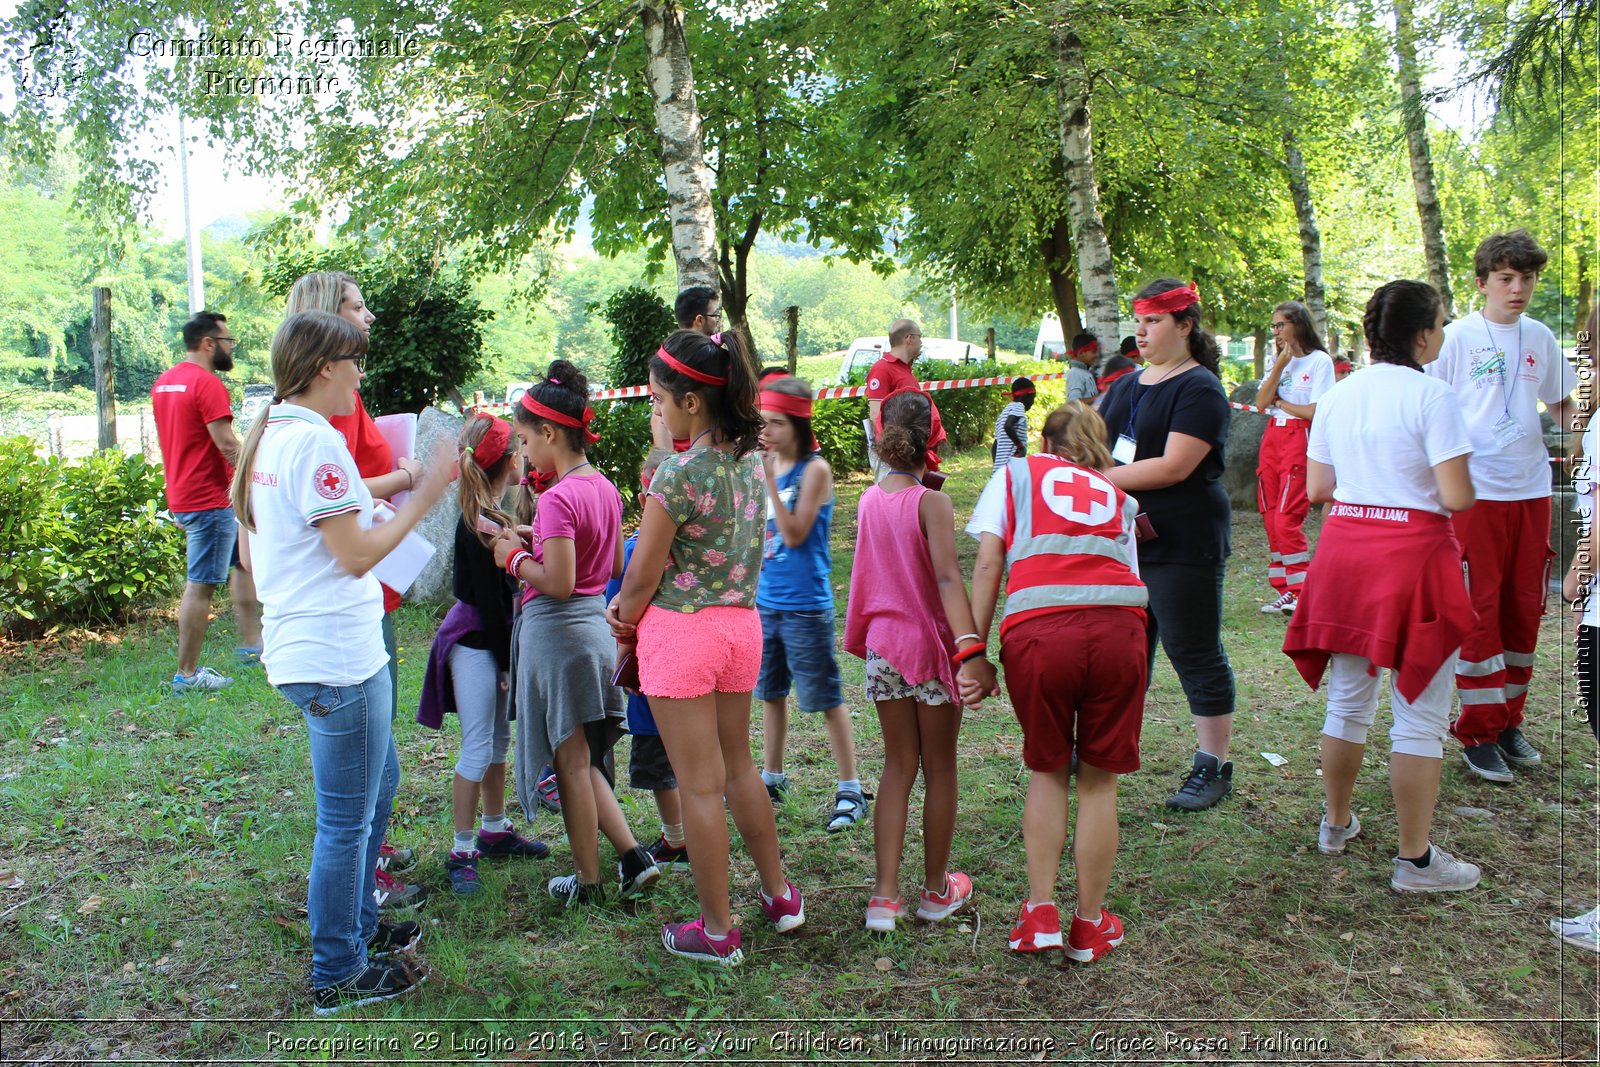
<point>438,694</point>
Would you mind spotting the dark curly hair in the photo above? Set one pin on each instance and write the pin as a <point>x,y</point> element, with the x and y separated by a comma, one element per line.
<point>1395,315</point>
<point>907,425</point>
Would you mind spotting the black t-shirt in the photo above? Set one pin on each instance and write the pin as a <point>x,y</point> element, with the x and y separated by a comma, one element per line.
<point>1191,519</point>
<point>489,589</point>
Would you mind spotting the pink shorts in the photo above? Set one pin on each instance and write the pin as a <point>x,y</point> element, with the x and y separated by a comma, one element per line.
<point>684,654</point>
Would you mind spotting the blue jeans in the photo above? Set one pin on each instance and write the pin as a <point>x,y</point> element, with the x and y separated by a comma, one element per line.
<point>211,544</point>
<point>355,771</point>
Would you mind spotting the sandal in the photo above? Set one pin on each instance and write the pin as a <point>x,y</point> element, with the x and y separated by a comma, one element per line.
<point>849,808</point>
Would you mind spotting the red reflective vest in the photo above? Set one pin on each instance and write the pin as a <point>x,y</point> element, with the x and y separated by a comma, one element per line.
<point>1071,541</point>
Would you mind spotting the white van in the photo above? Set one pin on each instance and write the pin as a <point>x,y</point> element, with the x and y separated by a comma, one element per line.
<point>1051,342</point>
<point>865,351</point>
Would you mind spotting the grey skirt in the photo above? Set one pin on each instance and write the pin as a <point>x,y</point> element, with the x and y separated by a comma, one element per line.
<point>562,659</point>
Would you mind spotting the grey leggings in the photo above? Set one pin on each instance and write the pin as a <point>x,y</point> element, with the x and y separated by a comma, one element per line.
<point>481,706</point>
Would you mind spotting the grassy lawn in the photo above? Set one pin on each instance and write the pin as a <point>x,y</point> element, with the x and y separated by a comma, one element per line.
<point>153,853</point>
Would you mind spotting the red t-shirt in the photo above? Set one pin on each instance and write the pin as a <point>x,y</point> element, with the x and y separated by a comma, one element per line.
<point>889,375</point>
<point>186,399</point>
<point>374,458</point>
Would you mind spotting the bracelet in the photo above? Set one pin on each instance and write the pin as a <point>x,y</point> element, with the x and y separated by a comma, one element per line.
<point>514,564</point>
<point>970,652</point>
<point>411,480</point>
<point>963,637</point>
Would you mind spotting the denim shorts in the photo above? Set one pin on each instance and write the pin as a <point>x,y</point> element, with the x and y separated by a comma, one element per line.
<point>211,543</point>
<point>798,646</point>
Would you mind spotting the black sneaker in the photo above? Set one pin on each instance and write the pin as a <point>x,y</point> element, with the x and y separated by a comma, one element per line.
<point>1516,750</point>
<point>638,871</point>
<point>665,854</point>
<point>1207,784</point>
<point>571,892</point>
<point>777,792</point>
<point>379,981</point>
<point>394,937</point>
<point>1488,762</point>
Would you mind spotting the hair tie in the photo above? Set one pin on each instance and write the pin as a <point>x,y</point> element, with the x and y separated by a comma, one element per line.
<point>550,414</point>
<point>688,371</point>
<point>716,338</point>
<point>553,381</point>
<point>1169,302</point>
<point>277,399</point>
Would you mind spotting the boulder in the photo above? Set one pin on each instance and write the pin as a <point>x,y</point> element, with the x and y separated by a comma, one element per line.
<point>1243,449</point>
<point>438,526</point>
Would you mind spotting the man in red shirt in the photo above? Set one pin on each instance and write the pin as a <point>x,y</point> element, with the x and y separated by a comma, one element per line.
<point>194,422</point>
<point>893,372</point>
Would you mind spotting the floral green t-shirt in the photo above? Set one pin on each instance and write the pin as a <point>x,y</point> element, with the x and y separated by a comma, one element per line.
<point>717,501</point>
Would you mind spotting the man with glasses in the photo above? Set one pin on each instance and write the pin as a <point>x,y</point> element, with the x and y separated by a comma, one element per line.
<point>698,308</point>
<point>194,423</point>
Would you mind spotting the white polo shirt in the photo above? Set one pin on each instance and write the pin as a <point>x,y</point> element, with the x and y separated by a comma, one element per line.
<point>1497,371</point>
<point>319,624</point>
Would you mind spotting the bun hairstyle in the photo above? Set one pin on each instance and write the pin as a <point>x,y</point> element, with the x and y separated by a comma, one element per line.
<point>1077,432</point>
<point>907,424</point>
<point>475,488</point>
<point>563,389</point>
<point>1395,315</point>
<point>1305,331</point>
<point>730,398</point>
<point>304,343</point>
<point>1202,346</point>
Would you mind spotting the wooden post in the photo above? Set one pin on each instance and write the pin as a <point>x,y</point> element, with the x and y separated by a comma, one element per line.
<point>104,374</point>
<point>988,342</point>
<point>1261,354</point>
<point>792,314</point>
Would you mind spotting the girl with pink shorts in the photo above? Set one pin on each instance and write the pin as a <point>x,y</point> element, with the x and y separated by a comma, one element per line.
<point>695,631</point>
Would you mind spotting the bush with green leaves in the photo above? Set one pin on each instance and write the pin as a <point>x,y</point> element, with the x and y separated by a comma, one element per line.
<point>81,542</point>
<point>640,320</point>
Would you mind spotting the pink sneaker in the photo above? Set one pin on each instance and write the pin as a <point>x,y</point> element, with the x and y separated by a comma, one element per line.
<point>936,906</point>
<point>787,912</point>
<point>1038,928</point>
<point>1089,941</point>
<point>691,941</point>
<point>883,912</point>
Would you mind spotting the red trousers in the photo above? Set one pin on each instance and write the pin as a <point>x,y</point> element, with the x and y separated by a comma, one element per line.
<point>1506,547</point>
<point>1281,495</point>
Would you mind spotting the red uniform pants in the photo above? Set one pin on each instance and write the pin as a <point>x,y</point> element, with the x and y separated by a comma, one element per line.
<point>1281,495</point>
<point>1506,547</point>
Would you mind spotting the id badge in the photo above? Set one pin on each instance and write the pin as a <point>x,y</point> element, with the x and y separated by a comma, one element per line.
<point>1125,449</point>
<point>1508,431</point>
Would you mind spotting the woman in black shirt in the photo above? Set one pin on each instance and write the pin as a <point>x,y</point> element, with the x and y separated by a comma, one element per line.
<point>1166,426</point>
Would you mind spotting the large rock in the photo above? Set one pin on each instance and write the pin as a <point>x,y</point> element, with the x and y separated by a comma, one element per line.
<point>1243,449</point>
<point>438,525</point>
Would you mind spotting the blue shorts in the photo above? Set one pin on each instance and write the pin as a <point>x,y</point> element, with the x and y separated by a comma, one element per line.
<point>211,543</point>
<point>798,645</point>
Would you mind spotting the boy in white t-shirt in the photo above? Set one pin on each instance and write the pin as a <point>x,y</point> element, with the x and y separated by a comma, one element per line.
<point>1501,365</point>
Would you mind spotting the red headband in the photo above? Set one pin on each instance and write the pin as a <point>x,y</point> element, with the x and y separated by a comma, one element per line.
<point>1021,390</point>
<point>496,439</point>
<point>1090,347</point>
<point>552,415</point>
<point>784,404</point>
<point>685,369</point>
<point>772,376</point>
<point>1169,302</point>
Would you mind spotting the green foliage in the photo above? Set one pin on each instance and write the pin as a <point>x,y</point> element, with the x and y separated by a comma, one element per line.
<point>624,429</point>
<point>837,425</point>
<point>427,339</point>
<point>640,320</point>
<point>80,542</point>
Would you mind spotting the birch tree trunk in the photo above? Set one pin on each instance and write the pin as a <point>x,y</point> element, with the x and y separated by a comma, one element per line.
<point>1310,237</point>
<point>671,78</point>
<point>1413,114</point>
<point>1095,272</point>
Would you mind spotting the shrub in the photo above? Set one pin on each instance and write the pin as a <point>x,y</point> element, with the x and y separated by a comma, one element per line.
<point>640,320</point>
<point>624,429</point>
<point>81,542</point>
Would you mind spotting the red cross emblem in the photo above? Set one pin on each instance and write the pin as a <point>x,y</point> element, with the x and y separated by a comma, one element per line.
<point>331,481</point>
<point>1305,377</point>
<point>1529,360</point>
<point>1078,495</point>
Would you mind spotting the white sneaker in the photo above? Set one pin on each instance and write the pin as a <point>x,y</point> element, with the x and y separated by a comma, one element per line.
<point>1284,605</point>
<point>1443,874</point>
<point>204,679</point>
<point>1331,839</point>
<point>1583,931</point>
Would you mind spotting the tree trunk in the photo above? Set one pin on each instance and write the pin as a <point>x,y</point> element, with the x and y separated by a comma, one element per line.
<point>791,315</point>
<point>1095,271</point>
<point>1310,237</point>
<point>1062,267</point>
<point>104,373</point>
<point>1414,115</point>
<point>671,78</point>
<point>733,268</point>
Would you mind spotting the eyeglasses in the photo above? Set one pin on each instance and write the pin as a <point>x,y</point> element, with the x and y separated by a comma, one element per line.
<point>1277,325</point>
<point>225,337</point>
<point>360,361</point>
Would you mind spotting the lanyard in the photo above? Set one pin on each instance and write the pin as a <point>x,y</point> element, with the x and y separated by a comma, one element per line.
<point>1505,376</point>
<point>1139,394</point>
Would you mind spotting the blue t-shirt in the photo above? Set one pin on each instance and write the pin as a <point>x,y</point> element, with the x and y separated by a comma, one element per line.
<point>640,719</point>
<point>798,578</point>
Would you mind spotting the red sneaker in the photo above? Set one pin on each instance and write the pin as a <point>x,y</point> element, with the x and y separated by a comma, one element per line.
<point>1089,941</point>
<point>1038,929</point>
<point>936,906</point>
<point>787,912</point>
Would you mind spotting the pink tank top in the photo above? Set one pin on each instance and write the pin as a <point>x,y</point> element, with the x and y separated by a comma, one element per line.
<point>895,608</point>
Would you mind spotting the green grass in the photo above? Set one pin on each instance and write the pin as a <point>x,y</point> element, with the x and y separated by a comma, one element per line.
<point>155,851</point>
